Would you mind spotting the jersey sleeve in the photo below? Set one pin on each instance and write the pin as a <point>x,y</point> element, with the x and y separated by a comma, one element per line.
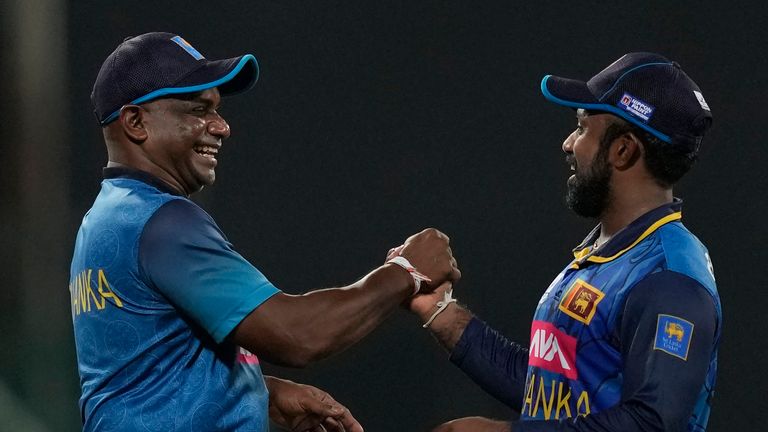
<point>184,255</point>
<point>496,364</point>
<point>667,335</point>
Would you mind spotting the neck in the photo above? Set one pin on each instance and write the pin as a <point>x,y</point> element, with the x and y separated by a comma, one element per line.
<point>627,207</point>
<point>123,152</point>
<point>170,181</point>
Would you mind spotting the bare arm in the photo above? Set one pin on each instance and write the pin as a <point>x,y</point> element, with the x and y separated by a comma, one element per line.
<point>295,330</point>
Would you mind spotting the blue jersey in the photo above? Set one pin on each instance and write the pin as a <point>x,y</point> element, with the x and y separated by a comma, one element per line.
<point>625,338</point>
<point>155,290</point>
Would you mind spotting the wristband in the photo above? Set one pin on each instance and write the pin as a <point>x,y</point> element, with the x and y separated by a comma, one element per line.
<point>441,306</point>
<point>417,277</point>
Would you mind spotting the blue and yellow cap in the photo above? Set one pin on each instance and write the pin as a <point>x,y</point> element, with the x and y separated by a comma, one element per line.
<point>645,89</point>
<point>157,64</point>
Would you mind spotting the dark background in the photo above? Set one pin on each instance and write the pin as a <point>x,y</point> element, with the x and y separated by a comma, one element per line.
<point>371,121</point>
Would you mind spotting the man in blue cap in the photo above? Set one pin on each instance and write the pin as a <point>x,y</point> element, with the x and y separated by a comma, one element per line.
<point>625,338</point>
<point>170,321</point>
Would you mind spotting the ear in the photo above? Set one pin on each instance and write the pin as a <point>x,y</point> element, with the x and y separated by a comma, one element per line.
<point>625,151</point>
<point>132,122</point>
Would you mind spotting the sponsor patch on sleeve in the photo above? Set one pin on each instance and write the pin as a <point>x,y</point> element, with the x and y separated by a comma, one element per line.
<point>636,107</point>
<point>673,335</point>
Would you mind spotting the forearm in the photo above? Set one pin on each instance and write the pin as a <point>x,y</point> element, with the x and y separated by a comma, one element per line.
<point>449,325</point>
<point>294,330</point>
<point>331,320</point>
<point>498,365</point>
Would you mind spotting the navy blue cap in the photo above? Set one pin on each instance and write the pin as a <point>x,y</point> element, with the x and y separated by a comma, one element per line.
<point>645,89</point>
<point>157,64</point>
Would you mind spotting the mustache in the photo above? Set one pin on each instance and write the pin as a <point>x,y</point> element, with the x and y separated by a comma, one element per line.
<point>570,160</point>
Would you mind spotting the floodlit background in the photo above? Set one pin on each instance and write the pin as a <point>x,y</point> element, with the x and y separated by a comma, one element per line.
<point>371,121</point>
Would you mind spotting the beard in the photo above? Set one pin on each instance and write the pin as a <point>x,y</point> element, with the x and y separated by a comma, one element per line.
<point>589,194</point>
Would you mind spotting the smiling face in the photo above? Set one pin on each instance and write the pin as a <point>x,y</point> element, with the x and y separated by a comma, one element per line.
<point>589,188</point>
<point>185,134</point>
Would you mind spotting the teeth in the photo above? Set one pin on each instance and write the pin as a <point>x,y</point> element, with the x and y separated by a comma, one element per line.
<point>207,151</point>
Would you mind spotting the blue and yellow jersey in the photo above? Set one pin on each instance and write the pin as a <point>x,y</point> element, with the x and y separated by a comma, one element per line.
<point>625,337</point>
<point>155,290</point>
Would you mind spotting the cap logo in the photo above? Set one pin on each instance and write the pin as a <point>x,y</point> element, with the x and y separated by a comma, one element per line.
<point>700,98</point>
<point>187,47</point>
<point>636,107</point>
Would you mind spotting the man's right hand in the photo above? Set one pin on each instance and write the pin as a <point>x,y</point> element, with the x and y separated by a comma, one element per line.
<point>429,252</point>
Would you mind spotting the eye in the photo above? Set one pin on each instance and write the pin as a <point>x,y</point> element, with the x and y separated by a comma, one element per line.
<point>579,129</point>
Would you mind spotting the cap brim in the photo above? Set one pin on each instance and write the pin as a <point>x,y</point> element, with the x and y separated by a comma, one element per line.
<point>234,75</point>
<point>568,92</point>
<point>576,94</point>
<point>231,76</point>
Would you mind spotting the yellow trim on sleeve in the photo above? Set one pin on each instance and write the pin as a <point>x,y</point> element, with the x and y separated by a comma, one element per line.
<point>663,221</point>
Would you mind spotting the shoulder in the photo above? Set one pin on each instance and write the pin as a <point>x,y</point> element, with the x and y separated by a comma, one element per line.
<point>180,210</point>
<point>685,254</point>
<point>128,201</point>
<point>177,219</point>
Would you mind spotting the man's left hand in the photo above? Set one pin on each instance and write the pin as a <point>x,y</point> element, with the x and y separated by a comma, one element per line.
<point>303,408</point>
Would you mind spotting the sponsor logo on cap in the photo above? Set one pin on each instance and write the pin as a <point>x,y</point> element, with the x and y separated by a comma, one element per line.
<point>636,107</point>
<point>187,47</point>
<point>553,350</point>
<point>673,335</point>
<point>580,302</point>
<point>700,98</point>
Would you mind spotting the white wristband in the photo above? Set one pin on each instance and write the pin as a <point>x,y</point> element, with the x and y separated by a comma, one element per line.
<point>441,306</point>
<point>417,277</point>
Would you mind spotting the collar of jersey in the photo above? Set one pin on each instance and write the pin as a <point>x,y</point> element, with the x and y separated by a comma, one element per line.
<point>629,236</point>
<point>142,176</point>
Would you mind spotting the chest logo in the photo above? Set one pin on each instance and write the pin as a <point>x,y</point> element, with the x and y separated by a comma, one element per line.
<point>580,302</point>
<point>553,350</point>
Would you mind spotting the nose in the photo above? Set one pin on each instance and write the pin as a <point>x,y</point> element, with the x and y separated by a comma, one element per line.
<point>219,127</point>
<point>568,143</point>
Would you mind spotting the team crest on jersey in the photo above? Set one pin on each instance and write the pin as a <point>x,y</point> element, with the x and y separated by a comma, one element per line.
<point>673,335</point>
<point>580,302</point>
